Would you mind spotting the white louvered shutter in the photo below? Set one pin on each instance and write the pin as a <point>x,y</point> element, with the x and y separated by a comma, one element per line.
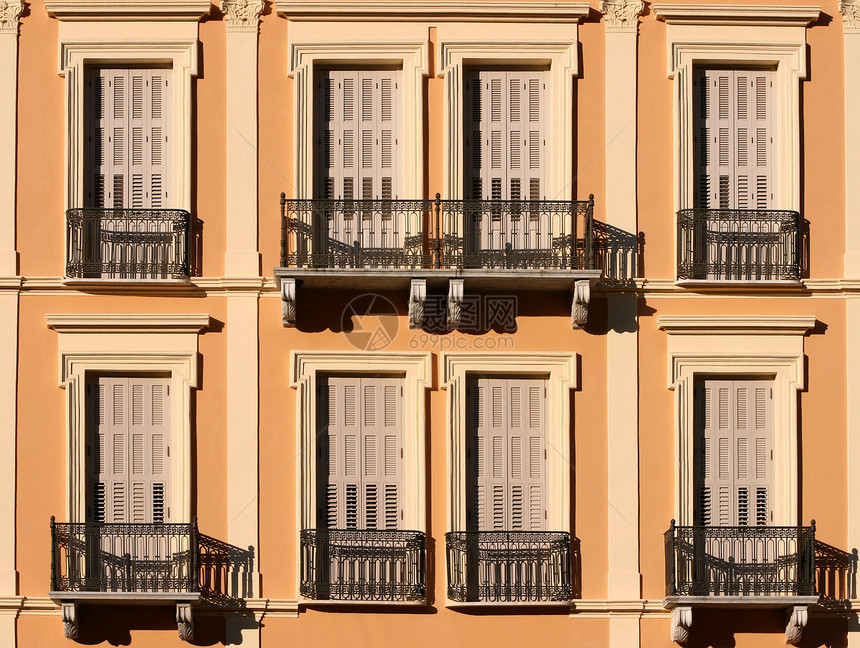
<point>733,137</point>
<point>359,453</point>
<point>733,452</point>
<point>507,452</point>
<point>127,447</point>
<point>358,142</point>
<point>127,114</point>
<point>505,152</point>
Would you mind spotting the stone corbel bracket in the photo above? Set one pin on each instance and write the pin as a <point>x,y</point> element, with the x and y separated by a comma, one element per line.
<point>455,303</point>
<point>288,302</point>
<point>682,620</point>
<point>185,621</point>
<point>70,619</point>
<point>579,306</point>
<point>417,300</point>
<point>797,618</point>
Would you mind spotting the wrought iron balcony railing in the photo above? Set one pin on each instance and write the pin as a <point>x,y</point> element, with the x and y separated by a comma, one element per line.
<point>740,244</point>
<point>363,565</point>
<point>128,244</point>
<point>508,566</point>
<point>740,561</point>
<point>130,558</point>
<point>450,234</point>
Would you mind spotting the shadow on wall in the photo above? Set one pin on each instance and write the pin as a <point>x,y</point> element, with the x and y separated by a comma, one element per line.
<point>618,253</point>
<point>835,575</point>
<point>225,573</point>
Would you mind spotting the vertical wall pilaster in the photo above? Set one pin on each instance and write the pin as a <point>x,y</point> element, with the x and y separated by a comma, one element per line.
<point>242,17</point>
<point>10,13</point>
<point>850,10</point>
<point>621,19</point>
<point>242,260</point>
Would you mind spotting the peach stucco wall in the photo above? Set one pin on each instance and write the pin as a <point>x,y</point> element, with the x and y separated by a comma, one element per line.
<point>543,325</point>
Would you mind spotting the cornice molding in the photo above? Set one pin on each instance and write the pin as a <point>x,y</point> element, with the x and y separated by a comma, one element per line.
<point>113,10</point>
<point>438,10</point>
<point>137,323</point>
<point>10,14</point>
<point>242,15</point>
<point>621,15</point>
<point>850,10</point>
<point>709,14</point>
<point>736,324</point>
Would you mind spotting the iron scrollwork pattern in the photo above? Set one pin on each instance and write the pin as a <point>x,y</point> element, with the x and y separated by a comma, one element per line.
<point>739,244</point>
<point>128,244</point>
<point>745,560</point>
<point>363,565</point>
<point>508,566</point>
<point>103,557</point>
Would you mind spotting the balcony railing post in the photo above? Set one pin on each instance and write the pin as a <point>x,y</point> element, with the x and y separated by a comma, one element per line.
<point>283,230</point>
<point>589,232</point>
<point>438,252</point>
<point>195,556</point>
<point>54,575</point>
<point>669,541</point>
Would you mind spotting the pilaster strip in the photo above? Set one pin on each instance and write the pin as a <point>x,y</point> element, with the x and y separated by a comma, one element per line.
<point>621,15</point>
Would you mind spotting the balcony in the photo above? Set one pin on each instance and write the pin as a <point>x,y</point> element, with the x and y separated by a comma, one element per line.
<point>509,567</point>
<point>363,566</point>
<point>416,244</point>
<point>747,566</point>
<point>128,244</point>
<point>124,564</point>
<point>736,245</point>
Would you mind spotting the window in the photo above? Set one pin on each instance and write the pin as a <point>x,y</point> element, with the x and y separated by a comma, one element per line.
<point>507,449</point>
<point>128,449</point>
<point>128,138</point>
<point>733,452</point>
<point>357,117</point>
<point>505,134</point>
<point>359,453</point>
<point>733,139</point>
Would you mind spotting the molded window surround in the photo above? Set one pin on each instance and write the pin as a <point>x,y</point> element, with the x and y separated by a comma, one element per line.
<point>739,36</point>
<point>126,344</point>
<point>559,370</point>
<point>550,45</point>
<point>359,45</point>
<point>306,367</point>
<point>738,347</point>
<point>156,40</point>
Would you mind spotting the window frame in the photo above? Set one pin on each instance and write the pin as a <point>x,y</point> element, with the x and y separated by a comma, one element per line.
<point>551,46</point>
<point>730,36</point>
<point>560,372</point>
<point>315,45</point>
<point>169,44</point>
<point>737,347</point>
<point>128,344</point>
<point>306,368</point>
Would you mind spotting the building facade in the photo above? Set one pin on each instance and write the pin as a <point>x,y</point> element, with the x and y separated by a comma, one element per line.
<point>403,322</point>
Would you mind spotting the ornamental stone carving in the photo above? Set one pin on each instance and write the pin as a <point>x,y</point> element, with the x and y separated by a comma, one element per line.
<point>850,10</point>
<point>242,15</point>
<point>10,12</point>
<point>621,15</point>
